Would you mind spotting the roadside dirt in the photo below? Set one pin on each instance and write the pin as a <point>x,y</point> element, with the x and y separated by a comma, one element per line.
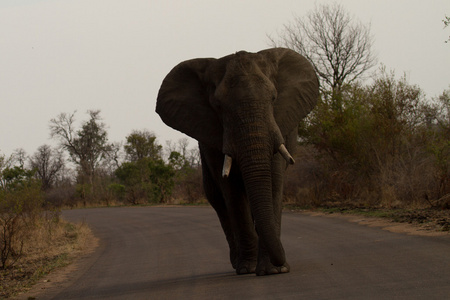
<point>425,222</point>
<point>62,277</point>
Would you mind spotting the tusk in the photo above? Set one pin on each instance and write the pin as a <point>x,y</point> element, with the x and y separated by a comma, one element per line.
<point>226,166</point>
<point>285,153</point>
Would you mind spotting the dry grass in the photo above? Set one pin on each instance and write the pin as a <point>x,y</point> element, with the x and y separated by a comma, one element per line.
<point>49,244</point>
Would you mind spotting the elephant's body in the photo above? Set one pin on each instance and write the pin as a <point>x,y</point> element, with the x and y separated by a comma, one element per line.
<point>246,107</point>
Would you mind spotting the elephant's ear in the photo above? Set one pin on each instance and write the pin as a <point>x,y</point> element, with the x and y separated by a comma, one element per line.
<point>297,87</point>
<point>183,102</point>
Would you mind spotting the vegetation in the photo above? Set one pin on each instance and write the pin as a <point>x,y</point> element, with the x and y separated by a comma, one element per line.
<point>87,148</point>
<point>33,240</point>
<point>144,176</point>
<point>367,143</point>
<point>446,22</point>
<point>34,189</point>
<point>381,144</point>
<point>20,201</point>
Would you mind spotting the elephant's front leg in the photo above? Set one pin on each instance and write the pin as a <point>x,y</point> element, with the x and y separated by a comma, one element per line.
<point>242,223</point>
<point>265,267</point>
<point>212,188</point>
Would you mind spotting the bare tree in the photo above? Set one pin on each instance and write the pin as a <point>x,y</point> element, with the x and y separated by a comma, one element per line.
<point>19,156</point>
<point>87,147</point>
<point>113,158</point>
<point>446,22</point>
<point>339,47</point>
<point>189,156</point>
<point>48,164</point>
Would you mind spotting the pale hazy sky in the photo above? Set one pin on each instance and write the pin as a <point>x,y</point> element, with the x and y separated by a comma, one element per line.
<point>65,55</point>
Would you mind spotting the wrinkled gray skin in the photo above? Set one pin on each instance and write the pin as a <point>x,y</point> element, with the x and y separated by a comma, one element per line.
<point>245,106</point>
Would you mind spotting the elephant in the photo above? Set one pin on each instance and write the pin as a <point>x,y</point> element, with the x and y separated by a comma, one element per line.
<point>244,110</point>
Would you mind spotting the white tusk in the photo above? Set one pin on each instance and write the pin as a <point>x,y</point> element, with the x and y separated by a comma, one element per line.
<point>226,166</point>
<point>285,153</point>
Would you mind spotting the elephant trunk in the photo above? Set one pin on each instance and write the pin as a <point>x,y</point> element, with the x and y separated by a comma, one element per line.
<point>255,165</point>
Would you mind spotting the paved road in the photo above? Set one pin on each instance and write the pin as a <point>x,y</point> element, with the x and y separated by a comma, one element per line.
<point>181,253</point>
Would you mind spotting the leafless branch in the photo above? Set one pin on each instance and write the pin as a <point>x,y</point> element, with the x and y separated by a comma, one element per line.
<point>339,47</point>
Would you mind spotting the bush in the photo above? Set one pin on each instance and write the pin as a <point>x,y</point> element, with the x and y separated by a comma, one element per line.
<point>118,190</point>
<point>381,145</point>
<point>60,196</point>
<point>188,186</point>
<point>21,202</point>
<point>146,180</point>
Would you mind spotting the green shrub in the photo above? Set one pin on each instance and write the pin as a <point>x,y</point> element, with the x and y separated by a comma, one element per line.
<point>118,190</point>
<point>149,180</point>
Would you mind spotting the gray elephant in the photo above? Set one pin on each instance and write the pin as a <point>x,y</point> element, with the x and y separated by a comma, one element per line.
<point>244,110</point>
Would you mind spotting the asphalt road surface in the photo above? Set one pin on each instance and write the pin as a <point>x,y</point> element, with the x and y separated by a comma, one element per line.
<point>181,253</point>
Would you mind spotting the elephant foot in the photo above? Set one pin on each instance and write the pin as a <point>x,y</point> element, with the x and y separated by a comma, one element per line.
<point>266,268</point>
<point>246,267</point>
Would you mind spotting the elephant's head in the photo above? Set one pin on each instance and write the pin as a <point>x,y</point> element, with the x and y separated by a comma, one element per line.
<point>244,105</point>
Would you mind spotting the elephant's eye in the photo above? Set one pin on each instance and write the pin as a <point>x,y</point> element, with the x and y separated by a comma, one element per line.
<point>274,97</point>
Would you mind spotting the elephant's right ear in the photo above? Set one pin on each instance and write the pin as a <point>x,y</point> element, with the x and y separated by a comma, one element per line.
<point>183,102</point>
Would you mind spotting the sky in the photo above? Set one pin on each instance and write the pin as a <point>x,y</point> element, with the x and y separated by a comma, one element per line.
<point>112,55</point>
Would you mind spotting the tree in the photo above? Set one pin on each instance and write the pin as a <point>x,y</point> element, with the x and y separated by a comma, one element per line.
<point>188,175</point>
<point>180,156</point>
<point>87,147</point>
<point>146,179</point>
<point>134,181</point>
<point>144,175</point>
<point>438,129</point>
<point>142,144</point>
<point>4,163</point>
<point>162,176</point>
<point>387,144</point>
<point>339,47</point>
<point>13,175</point>
<point>48,164</point>
<point>446,22</point>
<point>16,178</point>
<point>18,157</point>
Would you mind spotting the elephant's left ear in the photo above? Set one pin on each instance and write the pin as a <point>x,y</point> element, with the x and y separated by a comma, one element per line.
<point>183,102</point>
<point>297,87</point>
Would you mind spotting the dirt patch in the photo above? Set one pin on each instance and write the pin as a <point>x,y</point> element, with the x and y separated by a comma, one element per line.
<point>425,222</point>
